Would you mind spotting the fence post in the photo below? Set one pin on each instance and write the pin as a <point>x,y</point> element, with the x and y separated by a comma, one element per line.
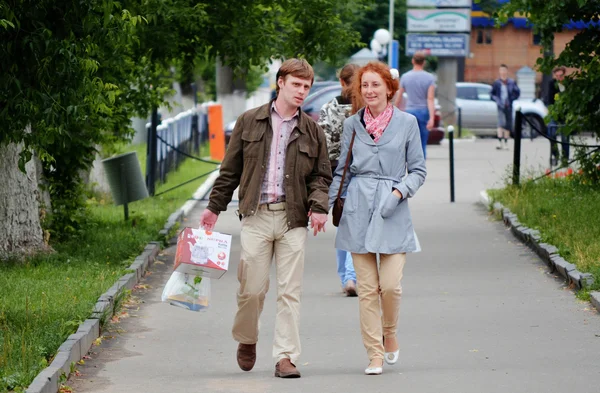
<point>451,147</point>
<point>216,132</point>
<point>459,122</point>
<point>517,153</point>
<point>151,153</point>
<point>195,119</point>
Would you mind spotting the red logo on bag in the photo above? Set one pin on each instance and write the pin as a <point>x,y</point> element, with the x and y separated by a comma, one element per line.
<point>221,256</point>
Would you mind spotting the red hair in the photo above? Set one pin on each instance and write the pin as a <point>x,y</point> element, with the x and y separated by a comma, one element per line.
<point>384,71</point>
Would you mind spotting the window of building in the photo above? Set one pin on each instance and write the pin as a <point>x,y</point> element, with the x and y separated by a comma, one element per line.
<point>488,36</point>
<point>484,36</point>
<point>537,39</point>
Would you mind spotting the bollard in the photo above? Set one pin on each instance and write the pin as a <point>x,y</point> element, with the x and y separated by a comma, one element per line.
<point>459,122</point>
<point>517,153</point>
<point>451,147</point>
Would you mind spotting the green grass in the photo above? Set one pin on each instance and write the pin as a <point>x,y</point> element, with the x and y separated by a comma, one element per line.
<point>43,300</point>
<point>567,216</point>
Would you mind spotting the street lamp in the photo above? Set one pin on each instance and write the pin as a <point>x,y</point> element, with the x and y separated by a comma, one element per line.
<point>379,43</point>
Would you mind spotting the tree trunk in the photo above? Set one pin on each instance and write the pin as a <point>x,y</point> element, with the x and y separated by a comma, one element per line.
<point>20,229</point>
<point>231,92</point>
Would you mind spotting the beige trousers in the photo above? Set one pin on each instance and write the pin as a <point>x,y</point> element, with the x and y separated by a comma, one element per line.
<point>266,235</point>
<point>378,318</point>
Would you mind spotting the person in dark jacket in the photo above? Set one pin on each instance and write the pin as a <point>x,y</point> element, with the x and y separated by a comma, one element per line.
<point>555,87</point>
<point>504,92</point>
<point>279,160</point>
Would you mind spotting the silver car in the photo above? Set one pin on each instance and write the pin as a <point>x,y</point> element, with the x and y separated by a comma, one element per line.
<point>480,114</point>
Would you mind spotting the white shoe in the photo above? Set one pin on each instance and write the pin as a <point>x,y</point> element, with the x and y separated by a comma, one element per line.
<point>374,370</point>
<point>392,357</point>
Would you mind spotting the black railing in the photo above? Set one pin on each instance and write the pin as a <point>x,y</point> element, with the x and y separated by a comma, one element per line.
<point>519,121</point>
<point>171,141</point>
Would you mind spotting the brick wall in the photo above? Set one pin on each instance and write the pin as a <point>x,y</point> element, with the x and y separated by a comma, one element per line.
<point>511,46</point>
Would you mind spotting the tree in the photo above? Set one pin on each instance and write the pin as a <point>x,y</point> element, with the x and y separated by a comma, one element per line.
<point>376,16</point>
<point>74,73</point>
<point>579,105</point>
<point>18,195</point>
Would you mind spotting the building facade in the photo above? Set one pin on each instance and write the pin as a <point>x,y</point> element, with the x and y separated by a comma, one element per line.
<point>513,44</point>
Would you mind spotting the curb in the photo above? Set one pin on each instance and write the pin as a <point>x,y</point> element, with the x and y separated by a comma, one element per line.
<point>78,344</point>
<point>547,252</point>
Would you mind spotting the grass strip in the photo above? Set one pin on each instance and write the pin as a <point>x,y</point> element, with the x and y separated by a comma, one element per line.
<point>45,298</point>
<point>567,216</point>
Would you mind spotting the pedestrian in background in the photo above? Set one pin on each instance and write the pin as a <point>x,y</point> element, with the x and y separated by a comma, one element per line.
<point>278,158</point>
<point>419,86</point>
<point>555,87</point>
<point>331,119</point>
<point>504,92</point>
<point>386,168</point>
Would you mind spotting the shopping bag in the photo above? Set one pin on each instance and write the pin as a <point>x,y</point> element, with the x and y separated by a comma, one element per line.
<point>187,291</point>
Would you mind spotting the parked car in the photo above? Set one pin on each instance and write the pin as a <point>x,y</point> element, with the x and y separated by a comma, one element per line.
<point>314,102</point>
<point>316,86</point>
<point>320,85</point>
<point>480,116</point>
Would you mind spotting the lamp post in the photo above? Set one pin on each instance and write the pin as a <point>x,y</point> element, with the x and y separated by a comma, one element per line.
<point>391,32</point>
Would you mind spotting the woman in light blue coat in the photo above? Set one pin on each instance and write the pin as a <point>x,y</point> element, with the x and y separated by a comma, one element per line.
<point>386,168</point>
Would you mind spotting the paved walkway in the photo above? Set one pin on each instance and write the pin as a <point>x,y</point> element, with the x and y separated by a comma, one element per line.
<point>480,313</point>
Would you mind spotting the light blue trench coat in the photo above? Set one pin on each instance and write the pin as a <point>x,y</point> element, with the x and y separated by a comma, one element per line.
<point>374,219</point>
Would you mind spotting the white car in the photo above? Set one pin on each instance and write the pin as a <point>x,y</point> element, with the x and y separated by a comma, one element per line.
<point>480,114</point>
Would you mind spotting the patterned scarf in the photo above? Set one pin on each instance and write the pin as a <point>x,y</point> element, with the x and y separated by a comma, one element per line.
<point>376,126</point>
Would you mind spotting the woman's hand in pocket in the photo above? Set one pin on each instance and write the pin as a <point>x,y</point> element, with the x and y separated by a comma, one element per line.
<point>391,203</point>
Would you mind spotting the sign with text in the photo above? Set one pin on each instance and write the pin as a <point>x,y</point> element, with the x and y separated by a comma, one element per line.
<point>431,20</point>
<point>442,45</point>
<point>439,3</point>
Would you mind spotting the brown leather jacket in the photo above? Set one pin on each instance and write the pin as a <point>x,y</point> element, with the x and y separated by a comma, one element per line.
<point>307,170</point>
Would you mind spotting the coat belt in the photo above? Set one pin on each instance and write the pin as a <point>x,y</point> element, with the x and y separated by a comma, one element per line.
<point>379,177</point>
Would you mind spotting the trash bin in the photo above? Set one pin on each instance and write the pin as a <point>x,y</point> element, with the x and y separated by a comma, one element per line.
<point>125,179</point>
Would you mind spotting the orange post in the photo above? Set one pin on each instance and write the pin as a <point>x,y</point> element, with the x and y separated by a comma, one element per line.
<point>216,133</point>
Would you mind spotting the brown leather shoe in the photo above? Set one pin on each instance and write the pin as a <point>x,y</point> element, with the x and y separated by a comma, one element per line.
<point>246,356</point>
<point>286,369</point>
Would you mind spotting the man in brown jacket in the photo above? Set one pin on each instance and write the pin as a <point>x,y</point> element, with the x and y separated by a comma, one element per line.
<point>278,157</point>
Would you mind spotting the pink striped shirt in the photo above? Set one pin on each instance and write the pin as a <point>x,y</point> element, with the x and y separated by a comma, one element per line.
<point>272,186</point>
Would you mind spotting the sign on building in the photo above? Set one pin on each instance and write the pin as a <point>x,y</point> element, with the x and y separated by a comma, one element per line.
<point>429,20</point>
<point>439,3</point>
<point>443,45</point>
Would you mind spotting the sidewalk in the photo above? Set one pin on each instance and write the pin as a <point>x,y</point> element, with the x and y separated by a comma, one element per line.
<point>480,313</point>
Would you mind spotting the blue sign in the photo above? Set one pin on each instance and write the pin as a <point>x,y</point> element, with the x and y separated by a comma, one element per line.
<point>395,54</point>
<point>442,45</point>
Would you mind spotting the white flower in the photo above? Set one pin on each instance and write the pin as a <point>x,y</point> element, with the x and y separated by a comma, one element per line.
<point>395,73</point>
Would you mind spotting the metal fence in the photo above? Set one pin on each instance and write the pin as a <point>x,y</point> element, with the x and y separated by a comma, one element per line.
<point>520,121</point>
<point>171,141</point>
